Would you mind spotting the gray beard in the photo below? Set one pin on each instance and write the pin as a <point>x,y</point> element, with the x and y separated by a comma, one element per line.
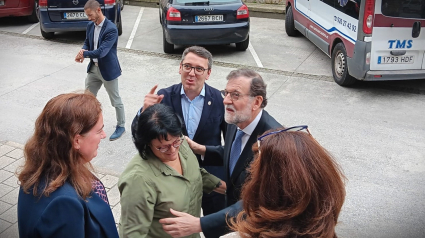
<point>235,119</point>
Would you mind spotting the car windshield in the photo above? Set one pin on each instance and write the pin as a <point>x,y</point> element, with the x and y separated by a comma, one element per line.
<point>203,3</point>
<point>404,8</point>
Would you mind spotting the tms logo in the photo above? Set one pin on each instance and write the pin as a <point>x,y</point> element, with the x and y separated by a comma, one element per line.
<point>400,44</point>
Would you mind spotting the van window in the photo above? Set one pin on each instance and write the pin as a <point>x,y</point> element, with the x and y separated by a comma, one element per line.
<point>329,2</point>
<point>349,7</point>
<point>404,8</point>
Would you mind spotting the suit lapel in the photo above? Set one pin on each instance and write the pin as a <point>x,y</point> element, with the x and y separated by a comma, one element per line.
<point>176,101</point>
<point>91,37</point>
<point>247,156</point>
<point>97,208</point>
<point>206,110</point>
<point>102,31</point>
<point>177,105</point>
<point>230,136</point>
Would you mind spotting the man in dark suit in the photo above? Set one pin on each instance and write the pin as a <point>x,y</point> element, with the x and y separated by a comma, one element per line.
<point>244,100</point>
<point>202,110</point>
<point>101,47</point>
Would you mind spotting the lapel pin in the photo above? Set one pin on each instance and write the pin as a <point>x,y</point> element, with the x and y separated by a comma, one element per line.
<point>209,103</point>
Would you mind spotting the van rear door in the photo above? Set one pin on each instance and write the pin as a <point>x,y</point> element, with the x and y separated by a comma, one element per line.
<point>398,36</point>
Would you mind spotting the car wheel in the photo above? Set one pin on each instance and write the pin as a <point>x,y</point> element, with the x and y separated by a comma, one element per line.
<point>168,48</point>
<point>119,27</point>
<point>340,67</point>
<point>46,35</point>
<point>289,23</point>
<point>242,46</point>
<point>34,15</point>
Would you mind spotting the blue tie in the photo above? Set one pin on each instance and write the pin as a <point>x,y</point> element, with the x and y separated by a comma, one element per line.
<point>235,151</point>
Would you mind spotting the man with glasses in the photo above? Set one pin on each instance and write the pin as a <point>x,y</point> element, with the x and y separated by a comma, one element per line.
<point>244,100</point>
<point>201,107</point>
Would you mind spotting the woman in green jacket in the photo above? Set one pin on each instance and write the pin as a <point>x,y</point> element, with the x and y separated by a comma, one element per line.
<point>164,175</point>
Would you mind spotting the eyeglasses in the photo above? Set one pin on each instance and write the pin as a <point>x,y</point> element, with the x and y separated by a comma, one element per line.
<point>198,70</point>
<point>294,128</point>
<point>175,144</point>
<point>234,96</point>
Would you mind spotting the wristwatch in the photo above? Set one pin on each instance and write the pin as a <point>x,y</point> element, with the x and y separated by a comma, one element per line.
<point>218,185</point>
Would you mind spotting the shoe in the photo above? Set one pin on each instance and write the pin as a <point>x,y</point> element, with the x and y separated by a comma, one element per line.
<point>119,131</point>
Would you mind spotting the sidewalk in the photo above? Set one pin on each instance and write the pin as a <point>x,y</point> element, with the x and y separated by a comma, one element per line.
<point>11,156</point>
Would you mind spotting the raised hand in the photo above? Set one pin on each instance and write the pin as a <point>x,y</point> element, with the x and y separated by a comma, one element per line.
<point>152,98</point>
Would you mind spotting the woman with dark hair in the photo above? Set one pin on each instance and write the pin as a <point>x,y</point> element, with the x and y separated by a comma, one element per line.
<point>59,194</point>
<point>164,176</point>
<point>295,188</point>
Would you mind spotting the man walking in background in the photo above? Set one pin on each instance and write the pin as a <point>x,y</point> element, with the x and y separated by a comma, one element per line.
<point>101,47</point>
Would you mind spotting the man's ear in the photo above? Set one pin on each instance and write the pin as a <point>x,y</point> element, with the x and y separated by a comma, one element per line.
<point>257,103</point>
<point>208,74</point>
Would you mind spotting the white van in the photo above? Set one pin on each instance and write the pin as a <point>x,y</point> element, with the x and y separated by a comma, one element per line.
<point>366,39</point>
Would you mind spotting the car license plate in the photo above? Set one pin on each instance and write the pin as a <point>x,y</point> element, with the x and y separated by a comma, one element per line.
<point>207,18</point>
<point>74,15</point>
<point>405,59</point>
<point>1,3</point>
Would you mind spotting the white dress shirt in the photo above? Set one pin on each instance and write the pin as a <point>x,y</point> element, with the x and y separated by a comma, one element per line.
<point>249,129</point>
<point>97,29</point>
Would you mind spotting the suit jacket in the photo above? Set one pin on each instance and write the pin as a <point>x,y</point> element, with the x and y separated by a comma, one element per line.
<point>210,126</point>
<point>64,214</point>
<point>106,52</point>
<point>214,225</point>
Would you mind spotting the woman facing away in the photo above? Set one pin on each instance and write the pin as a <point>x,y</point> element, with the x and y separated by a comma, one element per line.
<point>295,188</point>
<point>59,195</point>
<point>162,177</point>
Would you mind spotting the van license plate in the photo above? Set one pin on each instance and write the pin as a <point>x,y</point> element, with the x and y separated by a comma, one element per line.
<point>75,15</point>
<point>405,59</point>
<point>207,18</point>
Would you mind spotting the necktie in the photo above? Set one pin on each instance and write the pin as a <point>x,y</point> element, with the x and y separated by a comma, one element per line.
<point>235,151</point>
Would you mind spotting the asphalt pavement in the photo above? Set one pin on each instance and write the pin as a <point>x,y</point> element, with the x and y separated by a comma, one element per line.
<point>376,132</point>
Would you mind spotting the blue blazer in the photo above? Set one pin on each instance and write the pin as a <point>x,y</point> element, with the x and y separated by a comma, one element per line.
<point>106,51</point>
<point>64,214</point>
<point>211,125</point>
<point>214,225</point>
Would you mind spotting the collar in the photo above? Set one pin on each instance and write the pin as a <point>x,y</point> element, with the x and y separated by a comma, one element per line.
<point>101,24</point>
<point>201,94</point>
<point>251,127</point>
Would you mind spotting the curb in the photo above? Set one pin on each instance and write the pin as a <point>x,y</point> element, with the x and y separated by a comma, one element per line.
<point>278,9</point>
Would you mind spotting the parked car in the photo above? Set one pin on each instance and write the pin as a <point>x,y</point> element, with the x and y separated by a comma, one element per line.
<point>68,15</point>
<point>368,40</point>
<point>197,22</point>
<point>17,8</point>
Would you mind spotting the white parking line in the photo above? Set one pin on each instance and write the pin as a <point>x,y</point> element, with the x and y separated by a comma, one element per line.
<point>254,54</point>
<point>30,28</point>
<point>133,32</point>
